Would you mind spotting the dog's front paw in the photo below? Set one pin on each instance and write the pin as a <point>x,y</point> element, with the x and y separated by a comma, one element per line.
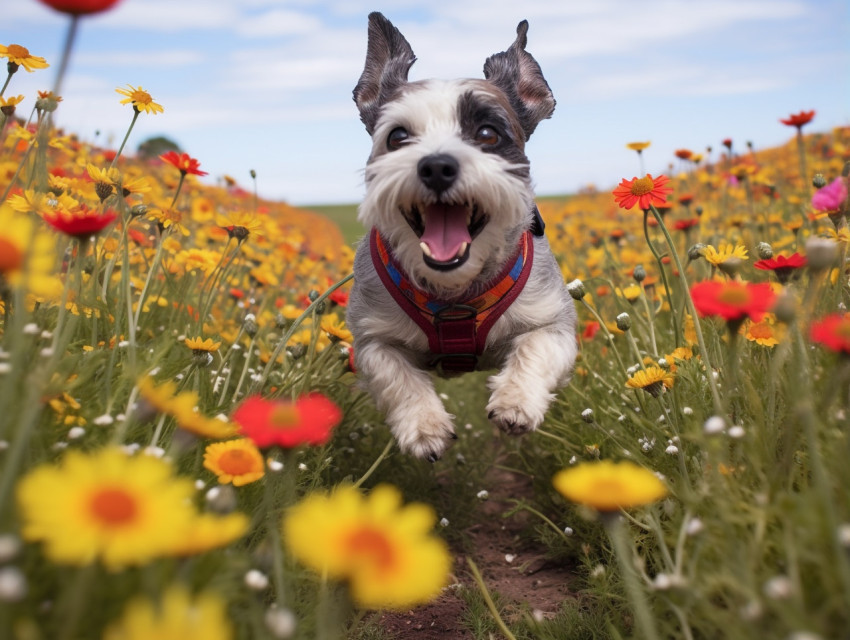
<point>516,412</point>
<point>426,435</point>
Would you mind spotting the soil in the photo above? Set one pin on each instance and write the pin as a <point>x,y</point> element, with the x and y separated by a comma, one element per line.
<point>511,565</point>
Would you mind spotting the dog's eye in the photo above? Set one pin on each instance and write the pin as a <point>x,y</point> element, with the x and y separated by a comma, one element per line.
<point>397,139</point>
<point>487,136</point>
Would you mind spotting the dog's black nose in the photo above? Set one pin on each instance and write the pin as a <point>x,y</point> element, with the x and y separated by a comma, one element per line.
<point>438,171</point>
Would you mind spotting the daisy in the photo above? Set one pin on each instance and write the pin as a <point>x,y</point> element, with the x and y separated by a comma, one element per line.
<point>176,614</point>
<point>80,222</point>
<point>732,300</point>
<point>833,332</point>
<point>384,550</point>
<point>104,506</point>
<point>184,162</point>
<point>234,461</point>
<point>21,57</point>
<point>140,99</point>
<point>644,192</point>
<point>652,380</point>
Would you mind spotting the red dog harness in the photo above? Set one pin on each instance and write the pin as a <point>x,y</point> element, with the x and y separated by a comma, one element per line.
<point>456,330</point>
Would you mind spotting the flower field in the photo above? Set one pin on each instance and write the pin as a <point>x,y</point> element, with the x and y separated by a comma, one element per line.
<point>184,451</point>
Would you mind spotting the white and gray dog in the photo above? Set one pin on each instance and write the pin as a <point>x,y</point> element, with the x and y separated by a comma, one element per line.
<point>456,273</point>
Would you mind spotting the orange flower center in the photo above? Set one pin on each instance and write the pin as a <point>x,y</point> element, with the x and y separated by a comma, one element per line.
<point>17,51</point>
<point>284,415</point>
<point>10,256</point>
<point>642,186</point>
<point>373,546</point>
<point>236,462</point>
<point>114,507</point>
<point>842,330</point>
<point>142,97</point>
<point>735,296</point>
<point>761,330</point>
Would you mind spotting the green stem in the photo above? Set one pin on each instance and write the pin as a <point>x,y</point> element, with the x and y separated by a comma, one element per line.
<point>70,36</point>
<point>476,574</point>
<point>715,394</point>
<point>126,137</point>
<point>291,331</point>
<point>375,464</point>
<point>676,334</point>
<point>623,551</point>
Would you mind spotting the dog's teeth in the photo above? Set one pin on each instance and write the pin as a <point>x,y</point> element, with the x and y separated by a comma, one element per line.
<point>462,250</point>
<point>426,249</point>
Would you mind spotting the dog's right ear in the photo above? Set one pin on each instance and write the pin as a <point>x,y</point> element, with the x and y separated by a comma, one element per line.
<point>388,59</point>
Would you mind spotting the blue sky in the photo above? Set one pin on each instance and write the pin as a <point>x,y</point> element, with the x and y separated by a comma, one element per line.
<point>266,84</point>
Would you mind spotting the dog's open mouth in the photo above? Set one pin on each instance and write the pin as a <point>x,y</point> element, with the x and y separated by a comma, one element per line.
<point>446,232</point>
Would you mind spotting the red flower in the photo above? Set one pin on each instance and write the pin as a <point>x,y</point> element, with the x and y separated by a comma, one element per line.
<point>683,154</point>
<point>727,142</point>
<point>684,225</point>
<point>733,300</point>
<point>81,222</point>
<point>833,331</point>
<point>781,265</point>
<point>184,162</point>
<point>80,7</point>
<point>799,119</point>
<point>340,297</point>
<point>590,330</point>
<point>308,420</point>
<point>644,192</point>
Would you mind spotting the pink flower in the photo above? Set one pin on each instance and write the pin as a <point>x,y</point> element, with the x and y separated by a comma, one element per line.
<point>830,197</point>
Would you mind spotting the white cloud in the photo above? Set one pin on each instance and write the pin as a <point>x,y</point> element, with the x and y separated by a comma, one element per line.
<point>278,22</point>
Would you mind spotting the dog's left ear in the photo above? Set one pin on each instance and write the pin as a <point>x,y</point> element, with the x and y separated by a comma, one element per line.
<point>517,73</point>
<point>388,59</point>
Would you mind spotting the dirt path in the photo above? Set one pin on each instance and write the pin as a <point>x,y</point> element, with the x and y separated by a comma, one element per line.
<point>511,566</point>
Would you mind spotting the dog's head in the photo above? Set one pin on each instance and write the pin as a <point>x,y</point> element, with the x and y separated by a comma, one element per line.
<point>447,182</point>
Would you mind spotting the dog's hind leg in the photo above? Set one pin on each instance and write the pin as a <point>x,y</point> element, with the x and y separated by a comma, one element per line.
<point>540,362</point>
<point>415,414</point>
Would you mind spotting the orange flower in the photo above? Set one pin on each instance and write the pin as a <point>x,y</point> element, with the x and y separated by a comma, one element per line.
<point>644,192</point>
<point>21,57</point>
<point>237,461</point>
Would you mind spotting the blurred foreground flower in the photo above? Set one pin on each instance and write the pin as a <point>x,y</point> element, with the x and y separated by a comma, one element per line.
<point>105,505</point>
<point>177,616</point>
<point>732,300</point>
<point>609,486</point>
<point>81,222</point>
<point>123,510</point>
<point>80,7</point>
<point>383,549</point>
<point>830,198</point>
<point>307,420</point>
<point>833,332</point>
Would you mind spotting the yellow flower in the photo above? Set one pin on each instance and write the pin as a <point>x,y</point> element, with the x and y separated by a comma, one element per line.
<point>638,146</point>
<point>7,105</point>
<point>690,330</point>
<point>105,506</point>
<point>631,293</point>
<point>383,550</point>
<point>724,252</point>
<point>27,254</point>
<point>140,99</point>
<point>207,532</point>
<point>110,175</point>
<point>193,421</point>
<point>651,380</point>
<point>239,224</point>
<point>237,461</point>
<point>21,56</point>
<point>765,333</point>
<point>335,328</point>
<point>198,344</point>
<point>169,219</point>
<point>609,486</point>
<point>176,617</point>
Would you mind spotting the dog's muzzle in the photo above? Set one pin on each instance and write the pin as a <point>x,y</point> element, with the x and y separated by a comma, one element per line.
<point>445,228</point>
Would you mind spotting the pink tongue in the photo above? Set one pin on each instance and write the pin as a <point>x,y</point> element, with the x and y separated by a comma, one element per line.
<point>445,230</point>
